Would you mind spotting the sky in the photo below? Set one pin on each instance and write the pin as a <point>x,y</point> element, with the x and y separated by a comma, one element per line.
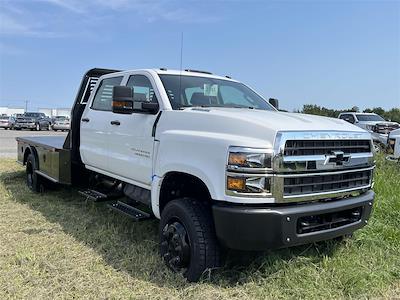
<point>336,54</point>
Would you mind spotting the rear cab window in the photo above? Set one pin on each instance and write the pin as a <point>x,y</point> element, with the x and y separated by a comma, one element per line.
<point>103,98</point>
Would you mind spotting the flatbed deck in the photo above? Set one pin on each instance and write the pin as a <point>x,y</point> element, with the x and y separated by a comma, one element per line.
<point>54,162</point>
<point>52,142</point>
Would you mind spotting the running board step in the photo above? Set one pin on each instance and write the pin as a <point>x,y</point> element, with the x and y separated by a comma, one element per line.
<point>130,211</point>
<point>93,195</point>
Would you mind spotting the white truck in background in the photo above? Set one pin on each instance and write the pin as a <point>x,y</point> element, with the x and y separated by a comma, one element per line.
<point>215,162</point>
<point>394,144</point>
<point>374,124</point>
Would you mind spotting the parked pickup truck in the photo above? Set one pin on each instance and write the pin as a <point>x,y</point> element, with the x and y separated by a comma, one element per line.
<point>373,123</point>
<point>33,121</point>
<point>218,165</point>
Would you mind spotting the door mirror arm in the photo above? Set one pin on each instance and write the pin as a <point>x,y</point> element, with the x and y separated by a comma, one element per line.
<point>146,107</point>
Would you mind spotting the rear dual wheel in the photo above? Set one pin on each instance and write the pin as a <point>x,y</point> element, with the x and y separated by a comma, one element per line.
<point>188,243</point>
<point>33,180</point>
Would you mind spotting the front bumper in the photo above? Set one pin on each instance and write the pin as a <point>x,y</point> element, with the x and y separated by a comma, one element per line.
<point>261,228</point>
<point>61,126</point>
<point>25,125</point>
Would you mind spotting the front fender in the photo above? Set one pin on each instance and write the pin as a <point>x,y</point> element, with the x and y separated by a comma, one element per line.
<point>201,154</point>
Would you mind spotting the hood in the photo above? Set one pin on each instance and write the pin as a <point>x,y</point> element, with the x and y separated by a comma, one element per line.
<point>281,121</point>
<point>252,125</point>
<point>395,133</point>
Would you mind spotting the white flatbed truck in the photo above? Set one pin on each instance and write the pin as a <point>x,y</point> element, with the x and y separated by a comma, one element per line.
<point>218,164</point>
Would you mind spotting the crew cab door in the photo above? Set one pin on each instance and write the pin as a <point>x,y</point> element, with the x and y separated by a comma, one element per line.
<point>95,121</point>
<point>130,136</point>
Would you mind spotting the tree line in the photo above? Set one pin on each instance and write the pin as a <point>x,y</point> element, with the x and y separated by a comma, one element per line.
<point>392,114</point>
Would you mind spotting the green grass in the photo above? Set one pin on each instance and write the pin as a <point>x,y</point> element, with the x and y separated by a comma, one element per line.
<point>56,245</point>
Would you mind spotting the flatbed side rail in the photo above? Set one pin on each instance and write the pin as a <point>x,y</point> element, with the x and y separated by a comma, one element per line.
<point>54,162</point>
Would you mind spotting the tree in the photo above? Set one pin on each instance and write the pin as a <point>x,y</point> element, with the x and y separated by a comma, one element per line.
<point>312,109</point>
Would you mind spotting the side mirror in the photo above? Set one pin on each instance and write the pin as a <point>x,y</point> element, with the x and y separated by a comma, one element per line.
<point>274,102</point>
<point>122,100</point>
<point>146,107</point>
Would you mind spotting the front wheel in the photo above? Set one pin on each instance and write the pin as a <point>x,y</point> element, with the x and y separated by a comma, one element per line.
<point>37,127</point>
<point>188,243</point>
<point>378,147</point>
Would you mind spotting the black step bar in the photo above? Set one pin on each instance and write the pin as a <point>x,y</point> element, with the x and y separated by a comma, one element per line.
<point>130,211</point>
<point>93,195</point>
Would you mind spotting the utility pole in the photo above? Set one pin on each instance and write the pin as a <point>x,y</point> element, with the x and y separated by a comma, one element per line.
<point>26,105</point>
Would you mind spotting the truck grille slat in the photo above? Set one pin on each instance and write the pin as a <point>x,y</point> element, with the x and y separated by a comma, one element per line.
<point>325,183</point>
<point>324,147</point>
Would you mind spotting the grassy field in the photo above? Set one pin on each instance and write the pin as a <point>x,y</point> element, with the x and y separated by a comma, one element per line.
<point>56,245</point>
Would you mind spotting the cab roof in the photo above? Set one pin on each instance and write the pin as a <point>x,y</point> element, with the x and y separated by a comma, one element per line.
<point>187,72</point>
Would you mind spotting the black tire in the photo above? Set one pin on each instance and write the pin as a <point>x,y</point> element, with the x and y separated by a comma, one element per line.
<point>378,147</point>
<point>33,180</point>
<point>38,128</point>
<point>197,245</point>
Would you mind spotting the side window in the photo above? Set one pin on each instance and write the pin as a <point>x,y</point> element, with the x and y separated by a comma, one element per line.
<point>103,98</point>
<point>349,118</point>
<point>142,89</point>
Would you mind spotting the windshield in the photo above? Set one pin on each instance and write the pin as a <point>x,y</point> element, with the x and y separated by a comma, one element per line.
<point>61,118</point>
<point>362,117</point>
<point>32,115</point>
<point>190,91</point>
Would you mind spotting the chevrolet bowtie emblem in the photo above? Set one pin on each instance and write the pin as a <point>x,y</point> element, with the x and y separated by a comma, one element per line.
<point>337,157</point>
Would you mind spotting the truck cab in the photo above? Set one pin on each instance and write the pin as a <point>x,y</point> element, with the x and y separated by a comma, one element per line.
<point>219,165</point>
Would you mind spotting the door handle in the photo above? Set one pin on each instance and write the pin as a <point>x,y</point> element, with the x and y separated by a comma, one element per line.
<point>85,120</point>
<point>115,123</point>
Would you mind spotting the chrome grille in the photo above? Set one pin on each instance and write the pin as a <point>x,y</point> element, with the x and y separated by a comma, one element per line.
<point>323,182</point>
<point>325,147</point>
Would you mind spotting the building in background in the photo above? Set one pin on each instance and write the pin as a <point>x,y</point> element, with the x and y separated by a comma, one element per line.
<point>11,111</point>
<point>52,112</point>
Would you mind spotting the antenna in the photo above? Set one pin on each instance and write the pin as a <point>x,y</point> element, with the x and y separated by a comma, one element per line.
<point>180,70</point>
<point>181,50</point>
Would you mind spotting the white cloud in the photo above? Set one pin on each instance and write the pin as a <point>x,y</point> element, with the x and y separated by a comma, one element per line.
<point>9,25</point>
<point>18,18</point>
<point>151,11</point>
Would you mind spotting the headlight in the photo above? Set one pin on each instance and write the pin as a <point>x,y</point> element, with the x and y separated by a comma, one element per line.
<point>247,171</point>
<point>370,127</point>
<point>249,159</point>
